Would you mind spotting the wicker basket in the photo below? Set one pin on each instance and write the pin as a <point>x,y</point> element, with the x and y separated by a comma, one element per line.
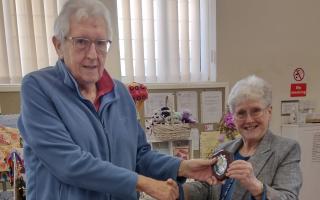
<point>171,131</point>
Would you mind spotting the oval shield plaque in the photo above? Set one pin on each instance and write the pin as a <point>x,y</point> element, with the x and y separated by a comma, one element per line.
<point>219,169</point>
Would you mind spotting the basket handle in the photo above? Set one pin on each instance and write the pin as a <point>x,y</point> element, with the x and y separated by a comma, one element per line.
<point>171,111</point>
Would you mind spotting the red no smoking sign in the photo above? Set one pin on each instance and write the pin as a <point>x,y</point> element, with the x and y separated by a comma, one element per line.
<point>298,74</point>
<point>298,89</point>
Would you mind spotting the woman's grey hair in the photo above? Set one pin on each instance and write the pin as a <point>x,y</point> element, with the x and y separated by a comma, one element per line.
<point>81,9</point>
<point>250,88</point>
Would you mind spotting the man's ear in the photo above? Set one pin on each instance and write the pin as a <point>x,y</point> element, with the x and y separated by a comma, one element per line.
<point>270,110</point>
<point>58,46</point>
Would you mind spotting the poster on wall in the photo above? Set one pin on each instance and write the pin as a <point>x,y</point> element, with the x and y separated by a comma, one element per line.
<point>211,106</point>
<point>188,100</point>
<point>156,101</point>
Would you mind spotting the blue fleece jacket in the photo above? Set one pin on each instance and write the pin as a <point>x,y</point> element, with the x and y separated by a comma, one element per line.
<point>73,152</point>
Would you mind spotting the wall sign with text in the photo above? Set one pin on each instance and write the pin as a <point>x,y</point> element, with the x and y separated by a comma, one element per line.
<point>298,90</point>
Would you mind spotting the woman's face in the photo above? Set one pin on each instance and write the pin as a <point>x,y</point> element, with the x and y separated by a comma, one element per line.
<point>252,118</point>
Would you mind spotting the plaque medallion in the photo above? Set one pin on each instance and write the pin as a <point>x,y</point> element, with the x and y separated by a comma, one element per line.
<point>224,159</point>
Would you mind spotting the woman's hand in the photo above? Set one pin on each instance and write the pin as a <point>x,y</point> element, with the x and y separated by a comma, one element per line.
<point>243,172</point>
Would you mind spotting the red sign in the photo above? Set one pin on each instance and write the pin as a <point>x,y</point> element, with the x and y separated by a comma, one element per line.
<point>298,90</point>
<point>298,74</point>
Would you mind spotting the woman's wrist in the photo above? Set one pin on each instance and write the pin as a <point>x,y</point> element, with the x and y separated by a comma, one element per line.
<point>186,191</point>
<point>259,191</point>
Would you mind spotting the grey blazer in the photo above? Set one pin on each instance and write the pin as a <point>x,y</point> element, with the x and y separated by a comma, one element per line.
<point>276,163</point>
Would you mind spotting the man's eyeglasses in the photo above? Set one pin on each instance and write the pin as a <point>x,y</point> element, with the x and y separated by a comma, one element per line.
<point>84,44</point>
<point>254,113</point>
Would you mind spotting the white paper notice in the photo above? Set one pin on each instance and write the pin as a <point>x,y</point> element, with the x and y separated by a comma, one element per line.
<point>188,101</point>
<point>288,106</point>
<point>316,148</point>
<point>195,137</point>
<point>211,106</point>
<point>157,100</point>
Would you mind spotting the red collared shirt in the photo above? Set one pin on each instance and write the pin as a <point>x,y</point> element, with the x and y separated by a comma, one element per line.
<point>104,85</point>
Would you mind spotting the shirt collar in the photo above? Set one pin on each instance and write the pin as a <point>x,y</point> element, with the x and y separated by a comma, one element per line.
<point>104,86</point>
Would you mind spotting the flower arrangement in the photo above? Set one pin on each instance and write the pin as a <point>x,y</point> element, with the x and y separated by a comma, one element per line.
<point>139,94</point>
<point>227,128</point>
<point>226,131</point>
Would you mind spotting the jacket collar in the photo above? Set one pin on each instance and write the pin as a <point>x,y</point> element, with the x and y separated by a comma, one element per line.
<point>66,76</point>
<point>70,82</point>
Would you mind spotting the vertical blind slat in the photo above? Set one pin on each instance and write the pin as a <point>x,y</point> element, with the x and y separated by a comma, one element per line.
<point>148,36</point>
<point>4,70</point>
<point>40,33</point>
<point>26,36</point>
<point>213,40</point>
<point>137,32</point>
<point>204,27</point>
<point>173,41</point>
<point>12,41</point>
<point>50,12</point>
<point>127,41</point>
<point>184,40</point>
<point>162,38</point>
<point>194,30</point>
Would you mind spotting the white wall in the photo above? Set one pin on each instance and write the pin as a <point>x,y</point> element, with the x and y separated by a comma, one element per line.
<point>270,38</point>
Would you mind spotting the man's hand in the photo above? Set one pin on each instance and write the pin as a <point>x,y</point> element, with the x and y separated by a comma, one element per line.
<point>199,169</point>
<point>161,190</point>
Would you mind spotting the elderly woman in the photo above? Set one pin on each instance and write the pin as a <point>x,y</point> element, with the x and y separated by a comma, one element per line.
<point>266,166</point>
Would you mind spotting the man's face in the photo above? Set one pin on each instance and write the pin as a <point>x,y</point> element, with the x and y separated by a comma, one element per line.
<point>86,65</point>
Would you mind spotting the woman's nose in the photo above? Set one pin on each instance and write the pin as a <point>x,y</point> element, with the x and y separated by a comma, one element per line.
<point>249,117</point>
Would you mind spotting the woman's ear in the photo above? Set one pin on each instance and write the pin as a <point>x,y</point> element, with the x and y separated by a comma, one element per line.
<point>58,46</point>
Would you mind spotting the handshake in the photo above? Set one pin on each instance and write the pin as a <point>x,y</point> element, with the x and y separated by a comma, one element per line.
<point>212,171</point>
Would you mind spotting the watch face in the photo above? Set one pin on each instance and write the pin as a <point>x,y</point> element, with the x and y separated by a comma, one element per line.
<point>224,159</point>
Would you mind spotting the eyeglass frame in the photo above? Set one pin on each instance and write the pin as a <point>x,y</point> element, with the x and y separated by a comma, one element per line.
<point>87,47</point>
<point>246,114</point>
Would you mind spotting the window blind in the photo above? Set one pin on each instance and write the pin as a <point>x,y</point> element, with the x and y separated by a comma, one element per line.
<point>167,40</point>
<point>26,29</point>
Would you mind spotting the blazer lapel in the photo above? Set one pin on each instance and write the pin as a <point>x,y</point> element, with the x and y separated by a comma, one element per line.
<point>262,154</point>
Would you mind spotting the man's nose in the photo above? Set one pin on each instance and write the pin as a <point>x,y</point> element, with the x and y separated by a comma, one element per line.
<point>92,52</point>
